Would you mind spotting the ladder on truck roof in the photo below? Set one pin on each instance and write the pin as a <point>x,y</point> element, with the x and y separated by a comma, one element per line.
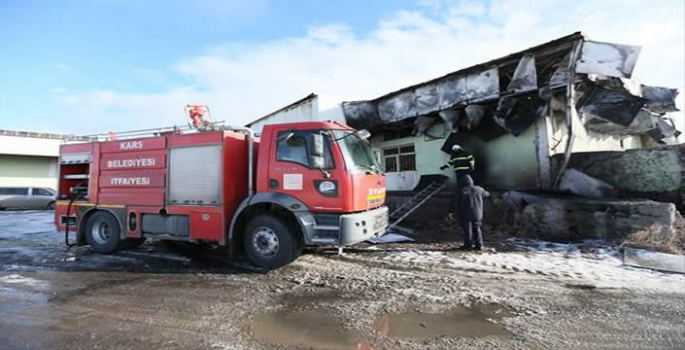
<point>133,134</point>
<point>416,202</point>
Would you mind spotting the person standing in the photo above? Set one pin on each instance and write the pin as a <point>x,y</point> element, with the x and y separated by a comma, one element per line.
<point>471,214</point>
<point>463,164</point>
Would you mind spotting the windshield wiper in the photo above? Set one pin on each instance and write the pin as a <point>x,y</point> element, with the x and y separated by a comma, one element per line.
<point>374,169</point>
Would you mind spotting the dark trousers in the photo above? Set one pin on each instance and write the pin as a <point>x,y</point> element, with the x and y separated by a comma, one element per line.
<point>460,186</point>
<point>473,236</point>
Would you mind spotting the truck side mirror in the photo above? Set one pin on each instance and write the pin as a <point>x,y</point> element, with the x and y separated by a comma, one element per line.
<point>316,145</point>
<point>316,162</point>
<point>316,158</point>
<point>363,134</point>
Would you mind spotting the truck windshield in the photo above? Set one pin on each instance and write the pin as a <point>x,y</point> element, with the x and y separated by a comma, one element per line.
<point>357,151</point>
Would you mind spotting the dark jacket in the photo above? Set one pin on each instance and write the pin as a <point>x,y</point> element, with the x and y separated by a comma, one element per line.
<point>471,201</point>
<point>461,161</point>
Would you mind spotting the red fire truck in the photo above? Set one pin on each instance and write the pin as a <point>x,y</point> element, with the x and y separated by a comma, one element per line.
<point>308,183</point>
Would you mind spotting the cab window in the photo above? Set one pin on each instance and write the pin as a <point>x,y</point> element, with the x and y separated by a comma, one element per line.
<point>293,146</point>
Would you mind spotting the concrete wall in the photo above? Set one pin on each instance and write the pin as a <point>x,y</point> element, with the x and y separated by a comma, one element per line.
<point>32,146</point>
<point>28,171</point>
<point>318,108</point>
<point>29,161</point>
<point>429,158</point>
<point>655,173</point>
<point>573,219</point>
<point>299,113</point>
<point>507,162</point>
<point>330,108</point>
<point>583,141</point>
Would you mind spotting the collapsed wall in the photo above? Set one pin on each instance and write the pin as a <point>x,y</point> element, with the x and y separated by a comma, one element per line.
<point>653,173</point>
<point>642,223</point>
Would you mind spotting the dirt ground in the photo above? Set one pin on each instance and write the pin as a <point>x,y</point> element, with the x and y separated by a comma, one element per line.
<point>526,295</point>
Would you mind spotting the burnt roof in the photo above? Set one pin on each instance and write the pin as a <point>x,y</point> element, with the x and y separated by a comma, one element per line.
<point>568,39</point>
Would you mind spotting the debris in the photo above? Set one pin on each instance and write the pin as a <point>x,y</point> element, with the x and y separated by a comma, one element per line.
<point>525,75</point>
<point>422,124</point>
<point>659,99</point>
<point>402,229</point>
<point>563,219</point>
<point>584,185</point>
<point>474,115</point>
<point>654,260</point>
<point>390,238</point>
<point>584,286</point>
<point>644,122</point>
<point>516,114</point>
<point>652,173</point>
<point>607,59</point>
<point>665,131</point>
<point>616,106</point>
<point>450,116</point>
<point>518,200</point>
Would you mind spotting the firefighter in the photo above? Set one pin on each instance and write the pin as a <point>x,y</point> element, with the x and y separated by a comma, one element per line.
<point>471,214</point>
<point>463,164</point>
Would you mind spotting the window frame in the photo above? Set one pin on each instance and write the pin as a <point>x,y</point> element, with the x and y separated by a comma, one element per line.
<point>327,149</point>
<point>397,154</point>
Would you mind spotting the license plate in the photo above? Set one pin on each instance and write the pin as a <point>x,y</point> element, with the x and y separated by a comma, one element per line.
<point>380,222</point>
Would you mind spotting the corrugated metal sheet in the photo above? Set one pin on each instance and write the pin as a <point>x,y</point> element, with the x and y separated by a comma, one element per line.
<point>195,175</point>
<point>361,114</point>
<point>525,76</point>
<point>607,59</point>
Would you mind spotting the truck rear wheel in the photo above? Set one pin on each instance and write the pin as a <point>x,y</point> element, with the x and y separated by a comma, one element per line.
<point>270,243</point>
<point>103,232</point>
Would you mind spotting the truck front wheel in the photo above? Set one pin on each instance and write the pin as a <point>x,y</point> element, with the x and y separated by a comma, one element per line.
<point>270,243</point>
<point>103,232</point>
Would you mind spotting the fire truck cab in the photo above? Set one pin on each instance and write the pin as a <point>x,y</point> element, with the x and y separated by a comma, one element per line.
<point>309,183</point>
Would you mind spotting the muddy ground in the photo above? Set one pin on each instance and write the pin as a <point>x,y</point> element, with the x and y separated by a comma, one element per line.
<point>527,295</point>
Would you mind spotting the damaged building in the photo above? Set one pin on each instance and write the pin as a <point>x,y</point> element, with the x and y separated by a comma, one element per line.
<point>515,115</point>
<point>564,116</point>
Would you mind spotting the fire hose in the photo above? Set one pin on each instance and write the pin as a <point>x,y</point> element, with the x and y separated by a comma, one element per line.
<point>76,196</point>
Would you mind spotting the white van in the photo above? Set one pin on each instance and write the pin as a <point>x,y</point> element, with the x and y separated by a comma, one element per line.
<point>27,198</point>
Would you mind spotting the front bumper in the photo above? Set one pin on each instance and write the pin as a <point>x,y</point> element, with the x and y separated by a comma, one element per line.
<point>358,227</point>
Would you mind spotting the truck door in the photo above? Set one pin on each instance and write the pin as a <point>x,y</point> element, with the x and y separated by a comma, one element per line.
<point>294,170</point>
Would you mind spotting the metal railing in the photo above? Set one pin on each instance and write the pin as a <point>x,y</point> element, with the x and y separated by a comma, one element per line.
<point>133,134</point>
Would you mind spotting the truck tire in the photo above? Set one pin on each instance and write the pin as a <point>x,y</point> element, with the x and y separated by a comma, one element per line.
<point>270,243</point>
<point>103,232</point>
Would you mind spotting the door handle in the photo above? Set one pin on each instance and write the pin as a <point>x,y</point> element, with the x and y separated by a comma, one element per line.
<point>273,184</point>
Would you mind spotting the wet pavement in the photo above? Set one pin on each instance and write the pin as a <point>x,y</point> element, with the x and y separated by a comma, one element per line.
<point>472,322</point>
<point>172,296</point>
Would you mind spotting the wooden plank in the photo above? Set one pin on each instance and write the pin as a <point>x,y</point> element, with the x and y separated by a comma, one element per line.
<point>654,260</point>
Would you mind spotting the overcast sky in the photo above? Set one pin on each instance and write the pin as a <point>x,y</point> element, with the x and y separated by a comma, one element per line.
<point>80,66</point>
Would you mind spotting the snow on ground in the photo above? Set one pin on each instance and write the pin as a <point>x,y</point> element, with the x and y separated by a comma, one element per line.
<point>592,262</point>
<point>19,279</point>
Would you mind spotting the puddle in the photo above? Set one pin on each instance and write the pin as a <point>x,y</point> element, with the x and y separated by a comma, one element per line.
<point>313,329</point>
<point>15,300</point>
<point>461,322</point>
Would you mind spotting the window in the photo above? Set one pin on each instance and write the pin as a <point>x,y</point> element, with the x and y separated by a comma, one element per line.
<point>398,159</point>
<point>42,192</point>
<point>16,191</point>
<point>296,148</point>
